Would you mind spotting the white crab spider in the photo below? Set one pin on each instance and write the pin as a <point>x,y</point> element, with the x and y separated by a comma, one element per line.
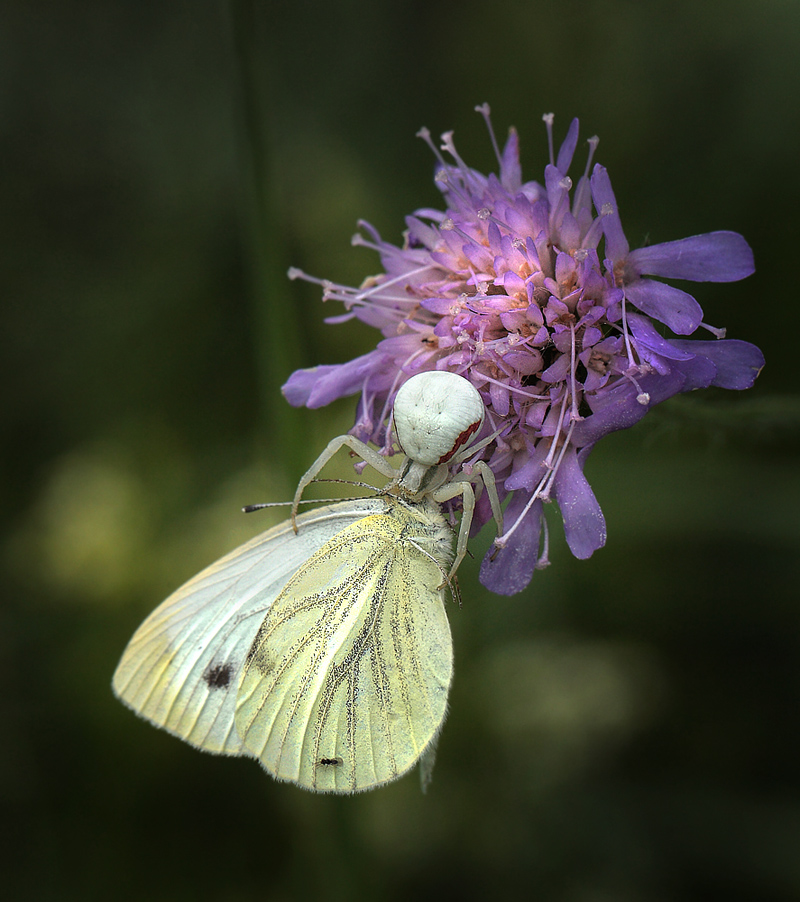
<point>436,414</point>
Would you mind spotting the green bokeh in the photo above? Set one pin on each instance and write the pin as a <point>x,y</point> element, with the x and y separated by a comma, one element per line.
<point>626,729</point>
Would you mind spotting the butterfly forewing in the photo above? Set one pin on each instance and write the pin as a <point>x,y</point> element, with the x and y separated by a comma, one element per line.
<point>181,669</point>
<point>347,680</point>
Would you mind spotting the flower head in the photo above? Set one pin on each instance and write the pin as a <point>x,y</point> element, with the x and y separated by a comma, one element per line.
<point>509,287</point>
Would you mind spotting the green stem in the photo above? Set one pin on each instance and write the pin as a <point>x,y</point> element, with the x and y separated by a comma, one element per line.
<point>277,349</point>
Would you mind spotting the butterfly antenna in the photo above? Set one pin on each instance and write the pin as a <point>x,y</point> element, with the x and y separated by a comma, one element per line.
<point>361,485</point>
<point>249,508</point>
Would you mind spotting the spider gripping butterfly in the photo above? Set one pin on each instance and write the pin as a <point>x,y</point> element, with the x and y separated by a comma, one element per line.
<point>322,647</point>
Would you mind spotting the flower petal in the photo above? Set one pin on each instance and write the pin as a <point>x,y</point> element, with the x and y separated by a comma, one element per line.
<point>698,372</point>
<point>645,335</point>
<point>528,470</point>
<point>713,257</point>
<point>509,569</point>
<point>603,195</point>
<point>671,306</point>
<point>738,363</point>
<point>584,524</point>
<point>320,385</point>
<point>510,168</point>
<point>557,371</point>
<point>567,148</point>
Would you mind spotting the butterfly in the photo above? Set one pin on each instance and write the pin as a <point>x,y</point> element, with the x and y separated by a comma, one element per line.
<point>322,647</point>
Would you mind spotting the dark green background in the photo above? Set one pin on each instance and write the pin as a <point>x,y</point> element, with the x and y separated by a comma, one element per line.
<point>626,729</point>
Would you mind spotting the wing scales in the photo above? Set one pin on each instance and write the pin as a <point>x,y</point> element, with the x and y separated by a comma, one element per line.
<point>306,641</point>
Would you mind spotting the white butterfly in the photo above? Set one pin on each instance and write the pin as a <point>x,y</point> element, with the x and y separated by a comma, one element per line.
<point>322,647</point>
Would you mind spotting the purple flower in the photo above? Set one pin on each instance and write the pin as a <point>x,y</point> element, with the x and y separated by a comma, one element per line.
<point>508,287</point>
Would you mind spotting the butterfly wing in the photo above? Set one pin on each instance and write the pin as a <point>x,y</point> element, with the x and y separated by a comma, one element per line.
<point>346,683</point>
<point>182,667</point>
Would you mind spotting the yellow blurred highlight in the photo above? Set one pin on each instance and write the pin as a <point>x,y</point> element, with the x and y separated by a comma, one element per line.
<point>105,530</point>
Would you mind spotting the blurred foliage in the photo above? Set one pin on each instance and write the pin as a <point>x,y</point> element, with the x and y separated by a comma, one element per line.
<point>624,730</point>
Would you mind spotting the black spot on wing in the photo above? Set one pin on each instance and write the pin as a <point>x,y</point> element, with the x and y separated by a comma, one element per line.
<point>218,676</point>
<point>330,762</point>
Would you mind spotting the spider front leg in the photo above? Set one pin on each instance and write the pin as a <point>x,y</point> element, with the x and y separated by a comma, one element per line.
<point>462,485</point>
<point>484,471</point>
<point>367,454</point>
